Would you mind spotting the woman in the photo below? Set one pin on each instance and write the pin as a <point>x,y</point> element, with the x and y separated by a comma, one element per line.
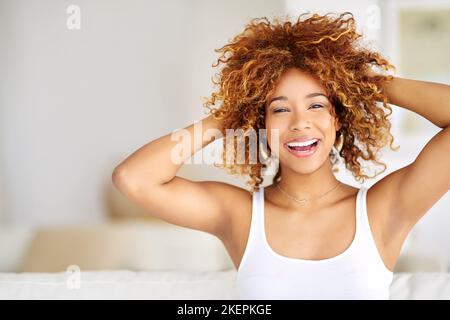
<point>307,235</point>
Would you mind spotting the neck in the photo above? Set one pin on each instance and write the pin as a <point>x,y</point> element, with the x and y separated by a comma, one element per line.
<point>308,185</point>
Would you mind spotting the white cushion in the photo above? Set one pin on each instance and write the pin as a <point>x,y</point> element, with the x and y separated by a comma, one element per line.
<point>177,285</point>
<point>119,285</point>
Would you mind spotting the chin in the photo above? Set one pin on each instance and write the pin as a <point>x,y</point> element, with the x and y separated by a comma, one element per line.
<point>305,170</point>
<point>301,167</point>
<point>304,165</point>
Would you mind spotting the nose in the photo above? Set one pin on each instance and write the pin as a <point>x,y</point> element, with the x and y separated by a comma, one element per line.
<point>300,121</point>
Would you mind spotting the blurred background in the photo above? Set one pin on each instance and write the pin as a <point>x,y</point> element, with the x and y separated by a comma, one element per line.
<point>83,84</point>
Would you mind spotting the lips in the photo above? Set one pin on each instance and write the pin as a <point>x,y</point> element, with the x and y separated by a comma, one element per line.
<point>306,153</point>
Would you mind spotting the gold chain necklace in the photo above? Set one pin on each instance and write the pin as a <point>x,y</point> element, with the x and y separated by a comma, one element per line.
<point>301,201</point>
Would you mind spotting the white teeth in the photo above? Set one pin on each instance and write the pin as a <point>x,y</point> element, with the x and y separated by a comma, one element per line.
<point>301,144</point>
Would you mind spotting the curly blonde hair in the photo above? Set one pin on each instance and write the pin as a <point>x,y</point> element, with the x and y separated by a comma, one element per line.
<point>323,46</point>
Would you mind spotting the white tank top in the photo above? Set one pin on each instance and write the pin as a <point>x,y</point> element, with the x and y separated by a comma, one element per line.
<point>357,273</point>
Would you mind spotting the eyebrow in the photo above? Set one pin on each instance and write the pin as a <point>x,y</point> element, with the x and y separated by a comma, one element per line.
<point>311,95</point>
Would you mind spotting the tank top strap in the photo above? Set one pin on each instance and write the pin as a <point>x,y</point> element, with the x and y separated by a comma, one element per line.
<point>254,235</point>
<point>367,240</point>
<point>360,213</point>
<point>364,226</point>
<point>254,244</point>
<point>257,214</point>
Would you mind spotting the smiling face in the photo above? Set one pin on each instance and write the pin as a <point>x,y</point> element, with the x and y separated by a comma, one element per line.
<point>300,108</point>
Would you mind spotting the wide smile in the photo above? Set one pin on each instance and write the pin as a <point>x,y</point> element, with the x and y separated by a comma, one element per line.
<point>302,152</point>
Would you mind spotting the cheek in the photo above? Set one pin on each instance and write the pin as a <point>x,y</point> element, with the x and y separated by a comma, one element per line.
<point>274,130</point>
<point>276,123</point>
<point>326,122</point>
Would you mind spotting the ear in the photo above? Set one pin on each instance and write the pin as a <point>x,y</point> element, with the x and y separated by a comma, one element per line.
<point>337,124</point>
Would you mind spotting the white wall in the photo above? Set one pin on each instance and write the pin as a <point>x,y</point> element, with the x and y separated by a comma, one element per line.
<point>75,101</point>
<point>364,12</point>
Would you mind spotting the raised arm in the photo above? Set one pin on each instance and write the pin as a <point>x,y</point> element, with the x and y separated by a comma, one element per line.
<point>408,193</point>
<point>155,162</point>
<point>148,178</point>
<point>429,99</point>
